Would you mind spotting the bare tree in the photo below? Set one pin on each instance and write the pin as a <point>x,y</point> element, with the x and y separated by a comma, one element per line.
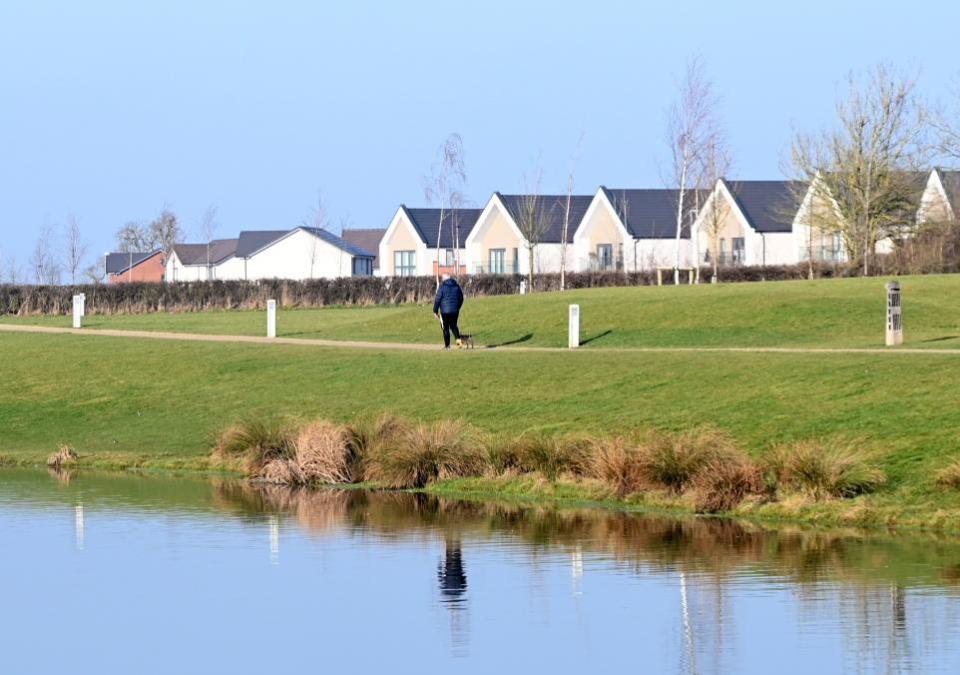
<point>866,166</point>
<point>692,126</point>
<point>74,247</point>
<point>566,213</point>
<point>164,231</point>
<point>132,237</point>
<point>208,230</point>
<point>533,221</point>
<point>444,186</point>
<point>42,260</point>
<point>96,272</point>
<point>714,166</point>
<point>318,218</point>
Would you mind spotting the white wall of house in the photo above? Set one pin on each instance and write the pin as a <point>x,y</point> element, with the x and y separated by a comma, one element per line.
<point>231,268</point>
<point>495,231</point>
<point>177,271</point>
<point>299,255</point>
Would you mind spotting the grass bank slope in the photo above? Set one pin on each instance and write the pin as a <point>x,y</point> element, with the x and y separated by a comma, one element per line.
<point>822,313</point>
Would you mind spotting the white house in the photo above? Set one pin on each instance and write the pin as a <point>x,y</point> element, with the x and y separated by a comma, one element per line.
<point>199,262</point>
<point>409,245</point>
<point>496,245</point>
<point>634,229</point>
<point>762,222</point>
<point>300,253</point>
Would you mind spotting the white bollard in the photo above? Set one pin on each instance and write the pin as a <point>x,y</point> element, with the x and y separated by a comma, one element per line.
<point>271,318</point>
<point>523,287</point>
<point>573,340</point>
<point>77,316</point>
<point>894,335</point>
<point>83,304</point>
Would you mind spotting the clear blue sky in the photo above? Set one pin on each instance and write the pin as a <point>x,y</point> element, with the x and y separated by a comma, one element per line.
<point>110,110</point>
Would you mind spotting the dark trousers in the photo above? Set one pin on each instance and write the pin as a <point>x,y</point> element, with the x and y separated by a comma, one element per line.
<point>450,324</point>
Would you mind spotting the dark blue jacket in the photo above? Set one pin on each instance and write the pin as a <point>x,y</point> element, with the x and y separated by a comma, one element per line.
<point>449,298</point>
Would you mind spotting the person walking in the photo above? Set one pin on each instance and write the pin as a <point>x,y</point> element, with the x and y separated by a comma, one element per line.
<point>446,307</point>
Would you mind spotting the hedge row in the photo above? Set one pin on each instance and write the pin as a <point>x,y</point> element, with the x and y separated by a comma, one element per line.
<point>134,298</point>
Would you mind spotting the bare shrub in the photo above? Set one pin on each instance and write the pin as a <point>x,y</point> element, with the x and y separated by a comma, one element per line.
<point>721,484</point>
<point>63,457</point>
<point>823,470</point>
<point>675,460</point>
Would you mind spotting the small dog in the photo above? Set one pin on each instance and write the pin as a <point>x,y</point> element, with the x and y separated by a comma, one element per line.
<point>465,341</point>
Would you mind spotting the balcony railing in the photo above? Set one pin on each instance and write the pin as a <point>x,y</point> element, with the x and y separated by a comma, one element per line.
<point>508,266</point>
<point>595,264</point>
<point>825,254</point>
<point>453,270</point>
<point>726,259</point>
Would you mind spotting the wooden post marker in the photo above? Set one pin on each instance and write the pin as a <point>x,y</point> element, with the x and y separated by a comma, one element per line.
<point>271,318</point>
<point>573,339</point>
<point>894,318</point>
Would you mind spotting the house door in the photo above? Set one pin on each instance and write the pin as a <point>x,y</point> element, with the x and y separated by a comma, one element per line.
<point>498,260</point>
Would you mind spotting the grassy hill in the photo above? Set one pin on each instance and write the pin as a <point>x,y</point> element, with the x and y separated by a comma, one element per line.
<point>824,313</point>
<point>122,400</point>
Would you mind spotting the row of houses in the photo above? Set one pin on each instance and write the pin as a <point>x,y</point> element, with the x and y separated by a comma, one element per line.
<point>764,222</point>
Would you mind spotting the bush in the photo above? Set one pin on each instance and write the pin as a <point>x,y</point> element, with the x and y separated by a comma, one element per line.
<point>721,484</point>
<point>64,456</point>
<point>415,456</point>
<point>324,453</point>
<point>824,470</point>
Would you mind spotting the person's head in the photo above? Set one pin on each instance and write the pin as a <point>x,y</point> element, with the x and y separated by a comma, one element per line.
<point>445,277</point>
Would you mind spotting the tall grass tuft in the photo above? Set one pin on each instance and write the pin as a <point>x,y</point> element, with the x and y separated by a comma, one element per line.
<point>419,454</point>
<point>675,460</point>
<point>552,455</point>
<point>257,443</point>
<point>324,453</point>
<point>824,470</point>
<point>722,484</point>
<point>620,464</point>
<point>949,476</point>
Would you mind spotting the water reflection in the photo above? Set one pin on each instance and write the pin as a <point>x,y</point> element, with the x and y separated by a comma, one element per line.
<point>561,588</point>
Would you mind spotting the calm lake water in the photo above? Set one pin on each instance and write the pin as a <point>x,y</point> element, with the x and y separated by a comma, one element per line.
<point>130,574</point>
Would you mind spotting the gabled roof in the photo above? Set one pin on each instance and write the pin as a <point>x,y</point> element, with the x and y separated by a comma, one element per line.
<point>552,207</point>
<point>652,213</point>
<point>950,179</point>
<point>339,242</point>
<point>427,222</point>
<point>196,254</point>
<point>251,241</point>
<point>768,205</point>
<point>368,239</point>
<point>117,263</point>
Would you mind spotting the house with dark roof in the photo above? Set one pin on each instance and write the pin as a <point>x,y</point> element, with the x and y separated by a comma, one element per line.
<point>940,200</point>
<point>635,229</point>
<point>764,222</point>
<point>409,246</point>
<point>368,239</point>
<point>134,266</point>
<point>497,245</point>
<point>299,253</point>
<point>200,262</point>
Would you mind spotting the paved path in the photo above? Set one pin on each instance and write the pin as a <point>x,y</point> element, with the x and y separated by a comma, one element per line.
<point>360,344</point>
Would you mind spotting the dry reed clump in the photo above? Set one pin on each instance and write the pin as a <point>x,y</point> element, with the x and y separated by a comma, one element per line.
<point>620,464</point>
<point>949,476</point>
<point>64,456</point>
<point>323,453</point>
<point>824,470</point>
<point>675,460</point>
<point>418,454</point>
<point>258,444</point>
<point>722,484</point>
<point>551,455</point>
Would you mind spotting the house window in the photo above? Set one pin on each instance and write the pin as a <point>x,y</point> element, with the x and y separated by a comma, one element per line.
<point>405,263</point>
<point>723,251</point>
<point>498,260</point>
<point>450,258</point>
<point>362,267</point>
<point>605,256</point>
<point>739,250</point>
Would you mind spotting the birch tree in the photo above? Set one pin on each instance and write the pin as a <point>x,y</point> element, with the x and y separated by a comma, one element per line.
<point>208,230</point>
<point>533,220</point>
<point>866,164</point>
<point>692,126</point>
<point>43,263</point>
<point>74,247</point>
<point>566,214</point>
<point>444,187</point>
<point>713,168</point>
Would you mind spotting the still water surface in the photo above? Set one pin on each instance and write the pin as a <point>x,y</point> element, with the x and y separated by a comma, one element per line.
<point>131,574</point>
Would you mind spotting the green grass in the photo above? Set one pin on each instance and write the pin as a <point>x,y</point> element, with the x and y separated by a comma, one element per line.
<point>825,313</point>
